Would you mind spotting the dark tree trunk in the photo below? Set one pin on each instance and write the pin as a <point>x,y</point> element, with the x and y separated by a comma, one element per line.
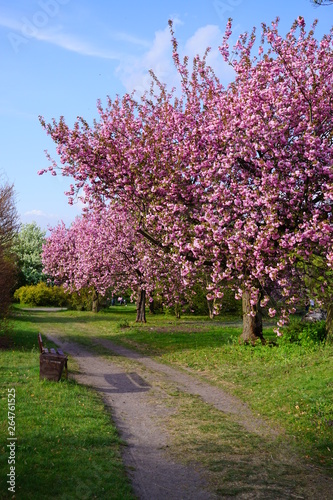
<point>141,306</point>
<point>329,323</point>
<point>95,302</point>
<point>151,307</point>
<point>252,324</point>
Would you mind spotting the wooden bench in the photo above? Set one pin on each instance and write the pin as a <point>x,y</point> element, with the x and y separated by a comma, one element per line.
<point>51,362</point>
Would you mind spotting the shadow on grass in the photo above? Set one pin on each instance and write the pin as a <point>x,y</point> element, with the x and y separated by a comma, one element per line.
<point>160,335</point>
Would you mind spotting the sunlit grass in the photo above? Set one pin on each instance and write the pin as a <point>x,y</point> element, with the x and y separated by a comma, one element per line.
<point>67,446</point>
<point>290,385</point>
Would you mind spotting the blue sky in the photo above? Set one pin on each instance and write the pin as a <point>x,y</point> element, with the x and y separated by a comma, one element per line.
<point>59,56</point>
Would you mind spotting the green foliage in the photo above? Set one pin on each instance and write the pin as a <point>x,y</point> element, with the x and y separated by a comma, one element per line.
<point>80,301</point>
<point>199,301</point>
<point>304,333</point>
<point>199,304</point>
<point>230,304</point>
<point>28,248</point>
<point>55,296</point>
<point>124,323</point>
<point>8,230</point>
<point>42,295</point>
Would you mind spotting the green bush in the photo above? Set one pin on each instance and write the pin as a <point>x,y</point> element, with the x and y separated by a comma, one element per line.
<point>313,333</point>
<point>198,304</point>
<point>230,304</point>
<point>304,333</point>
<point>44,295</point>
<point>83,300</point>
<point>124,323</point>
<point>41,295</point>
<point>80,301</point>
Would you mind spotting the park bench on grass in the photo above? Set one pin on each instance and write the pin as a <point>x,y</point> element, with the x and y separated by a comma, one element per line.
<point>51,362</point>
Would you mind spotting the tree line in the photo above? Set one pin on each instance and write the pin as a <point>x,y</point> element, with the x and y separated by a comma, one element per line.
<point>229,186</point>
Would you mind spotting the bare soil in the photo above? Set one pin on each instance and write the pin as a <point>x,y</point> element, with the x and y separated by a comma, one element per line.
<point>133,387</point>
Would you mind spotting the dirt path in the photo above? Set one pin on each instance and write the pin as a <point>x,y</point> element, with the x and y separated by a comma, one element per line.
<point>154,475</point>
<point>135,395</point>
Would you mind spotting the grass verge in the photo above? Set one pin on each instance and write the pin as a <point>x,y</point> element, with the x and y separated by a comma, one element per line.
<point>66,447</point>
<point>290,385</point>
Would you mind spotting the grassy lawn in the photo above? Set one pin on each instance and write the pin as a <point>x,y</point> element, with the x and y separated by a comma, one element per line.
<point>292,386</point>
<point>66,446</point>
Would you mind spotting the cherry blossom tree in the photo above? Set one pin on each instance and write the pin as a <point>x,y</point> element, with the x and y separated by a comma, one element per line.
<point>236,181</point>
<point>102,251</point>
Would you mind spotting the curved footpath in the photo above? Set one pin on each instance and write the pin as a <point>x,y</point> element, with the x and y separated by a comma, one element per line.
<point>136,404</point>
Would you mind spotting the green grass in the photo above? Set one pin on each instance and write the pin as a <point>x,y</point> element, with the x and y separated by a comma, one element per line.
<point>239,462</point>
<point>290,385</point>
<point>67,446</point>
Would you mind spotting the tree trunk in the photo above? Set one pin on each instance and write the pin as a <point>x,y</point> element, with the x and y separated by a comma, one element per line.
<point>95,302</point>
<point>210,304</point>
<point>329,323</point>
<point>252,324</point>
<point>141,306</point>
<point>151,307</point>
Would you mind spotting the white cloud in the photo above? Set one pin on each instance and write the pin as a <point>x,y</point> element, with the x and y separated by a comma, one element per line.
<point>25,30</point>
<point>134,72</point>
<point>12,24</point>
<point>38,213</point>
<point>125,37</point>
<point>74,44</point>
<point>209,36</point>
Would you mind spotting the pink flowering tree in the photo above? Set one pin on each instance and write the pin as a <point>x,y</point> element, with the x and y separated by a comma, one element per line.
<point>236,181</point>
<point>102,251</point>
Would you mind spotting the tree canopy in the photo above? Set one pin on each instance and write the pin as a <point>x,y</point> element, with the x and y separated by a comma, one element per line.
<point>28,248</point>
<point>235,181</point>
<point>8,229</point>
<point>322,2</point>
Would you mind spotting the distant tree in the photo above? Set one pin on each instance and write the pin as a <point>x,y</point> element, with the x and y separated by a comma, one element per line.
<point>322,2</point>
<point>102,251</point>
<point>28,248</point>
<point>8,230</point>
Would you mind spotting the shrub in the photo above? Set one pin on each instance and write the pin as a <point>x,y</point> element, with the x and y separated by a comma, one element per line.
<point>42,295</point>
<point>313,333</point>
<point>304,333</point>
<point>124,323</point>
<point>198,303</point>
<point>230,304</point>
<point>80,301</point>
